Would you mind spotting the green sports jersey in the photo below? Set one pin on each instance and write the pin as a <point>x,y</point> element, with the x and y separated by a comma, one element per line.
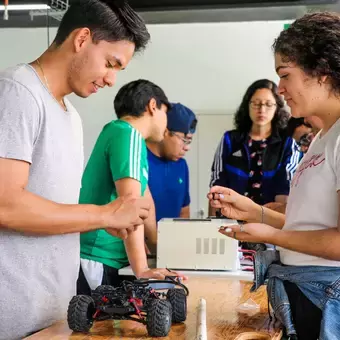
<point>120,152</point>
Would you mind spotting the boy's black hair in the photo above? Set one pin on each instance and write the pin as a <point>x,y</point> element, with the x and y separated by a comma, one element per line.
<point>133,98</point>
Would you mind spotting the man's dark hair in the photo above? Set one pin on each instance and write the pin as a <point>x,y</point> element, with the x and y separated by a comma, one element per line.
<point>108,20</point>
<point>294,123</point>
<point>242,120</point>
<point>133,98</point>
<point>312,42</point>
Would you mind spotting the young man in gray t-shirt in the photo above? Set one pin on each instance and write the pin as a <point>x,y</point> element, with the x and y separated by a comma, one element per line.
<point>41,164</point>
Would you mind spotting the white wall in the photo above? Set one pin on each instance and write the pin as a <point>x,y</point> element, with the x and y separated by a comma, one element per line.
<point>205,66</point>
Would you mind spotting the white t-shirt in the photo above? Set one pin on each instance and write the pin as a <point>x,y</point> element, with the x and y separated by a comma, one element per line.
<point>313,201</point>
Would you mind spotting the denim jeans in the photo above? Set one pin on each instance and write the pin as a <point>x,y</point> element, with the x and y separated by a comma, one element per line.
<point>321,285</point>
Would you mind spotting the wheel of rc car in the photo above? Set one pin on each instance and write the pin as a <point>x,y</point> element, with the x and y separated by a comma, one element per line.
<point>104,288</point>
<point>178,300</point>
<point>158,320</point>
<point>80,313</point>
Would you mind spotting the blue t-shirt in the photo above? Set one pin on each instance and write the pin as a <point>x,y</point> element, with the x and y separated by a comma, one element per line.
<point>169,185</point>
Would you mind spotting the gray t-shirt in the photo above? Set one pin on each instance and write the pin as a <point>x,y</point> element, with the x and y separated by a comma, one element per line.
<point>38,273</point>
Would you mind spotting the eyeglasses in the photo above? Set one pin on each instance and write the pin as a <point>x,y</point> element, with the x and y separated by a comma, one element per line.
<point>184,140</point>
<point>267,105</point>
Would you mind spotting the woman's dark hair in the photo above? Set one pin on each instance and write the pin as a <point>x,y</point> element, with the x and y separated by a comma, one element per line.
<point>312,42</point>
<point>109,20</point>
<point>242,120</point>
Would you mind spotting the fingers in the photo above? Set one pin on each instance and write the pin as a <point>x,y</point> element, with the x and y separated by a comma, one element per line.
<point>143,203</point>
<point>218,195</point>
<point>123,234</point>
<point>160,274</point>
<point>153,274</point>
<point>143,214</point>
<point>234,231</point>
<point>173,273</point>
<point>230,229</point>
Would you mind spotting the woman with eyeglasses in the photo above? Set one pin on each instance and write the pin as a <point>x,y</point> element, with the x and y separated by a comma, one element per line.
<point>257,159</point>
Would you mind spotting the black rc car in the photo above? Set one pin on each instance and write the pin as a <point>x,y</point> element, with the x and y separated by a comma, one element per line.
<point>155,303</point>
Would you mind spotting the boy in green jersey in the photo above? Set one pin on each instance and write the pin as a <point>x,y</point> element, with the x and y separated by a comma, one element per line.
<point>118,166</point>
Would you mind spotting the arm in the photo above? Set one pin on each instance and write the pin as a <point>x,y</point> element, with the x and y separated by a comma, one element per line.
<point>185,212</point>
<point>284,175</point>
<point>150,225</point>
<point>320,243</point>
<point>218,173</point>
<point>242,208</point>
<point>281,199</point>
<point>134,244</point>
<point>21,210</point>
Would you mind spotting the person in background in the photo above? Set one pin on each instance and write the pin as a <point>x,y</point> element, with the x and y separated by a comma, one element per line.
<point>257,159</point>
<point>41,163</point>
<point>169,173</point>
<point>301,132</point>
<point>298,127</point>
<point>117,167</point>
<point>304,279</point>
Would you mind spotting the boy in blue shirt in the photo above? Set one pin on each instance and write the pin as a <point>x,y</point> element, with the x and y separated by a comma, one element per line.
<point>168,170</point>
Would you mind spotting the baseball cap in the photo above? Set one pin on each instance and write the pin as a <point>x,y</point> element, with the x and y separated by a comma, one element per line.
<point>181,119</point>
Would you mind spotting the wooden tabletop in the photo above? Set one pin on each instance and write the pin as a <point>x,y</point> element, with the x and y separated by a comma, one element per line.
<point>222,297</point>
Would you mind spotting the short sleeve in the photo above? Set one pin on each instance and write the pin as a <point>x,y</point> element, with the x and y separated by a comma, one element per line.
<point>125,152</point>
<point>19,121</point>
<point>186,201</point>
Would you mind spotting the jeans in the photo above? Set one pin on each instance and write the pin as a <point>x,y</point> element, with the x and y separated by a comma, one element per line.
<point>321,285</point>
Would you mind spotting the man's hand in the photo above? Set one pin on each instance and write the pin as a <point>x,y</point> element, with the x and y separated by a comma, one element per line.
<point>233,205</point>
<point>125,214</point>
<point>252,232</point>
<point>159,274</point>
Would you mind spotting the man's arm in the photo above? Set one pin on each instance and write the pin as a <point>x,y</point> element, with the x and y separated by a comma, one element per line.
<point>185,212</point>
<point>23,211</point>
<point>134,244</point>
<point>150,225</point>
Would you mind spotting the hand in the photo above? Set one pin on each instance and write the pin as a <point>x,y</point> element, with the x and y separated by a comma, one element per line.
<point>252,232</point>
<point>160,274</point>
<point>277,206</point>
<point>121,233</point>
<point>123,215</point>
<point>233,205</point>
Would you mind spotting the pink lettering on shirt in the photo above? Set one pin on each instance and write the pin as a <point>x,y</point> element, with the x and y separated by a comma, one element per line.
<point>312,162</point>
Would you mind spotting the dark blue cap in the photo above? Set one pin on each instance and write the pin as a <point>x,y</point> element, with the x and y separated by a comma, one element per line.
<point>181,119</point>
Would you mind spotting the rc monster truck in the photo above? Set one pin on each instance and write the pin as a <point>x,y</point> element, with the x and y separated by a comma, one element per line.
<point>155,303</point>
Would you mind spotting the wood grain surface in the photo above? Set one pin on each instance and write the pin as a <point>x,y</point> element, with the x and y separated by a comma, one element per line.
<point>222,296</point>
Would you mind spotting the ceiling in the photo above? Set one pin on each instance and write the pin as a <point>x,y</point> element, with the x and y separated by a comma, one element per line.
<point>177,11</point>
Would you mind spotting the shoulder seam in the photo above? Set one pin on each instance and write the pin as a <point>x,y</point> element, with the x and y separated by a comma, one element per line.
<point>22,85</point>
